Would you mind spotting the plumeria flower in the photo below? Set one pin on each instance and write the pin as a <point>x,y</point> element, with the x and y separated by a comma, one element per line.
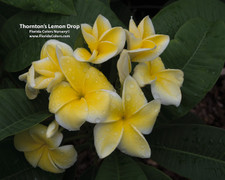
<point>124,66</point>
<point>85,97</point>
<point>45,152</point>
<point>129,118</point>
<point>142,42</point>
<point>103,41</point>
<point>46,72</point>
<point>165,83</point>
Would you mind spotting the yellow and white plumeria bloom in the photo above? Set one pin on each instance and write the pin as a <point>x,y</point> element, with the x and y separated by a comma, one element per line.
<point>85,97</point>
<point>45,152</point>
<point>103,41</point>
<point>165,83</point>
<point>142,42</point>
<point>46,72</point>
<point>129,118</point>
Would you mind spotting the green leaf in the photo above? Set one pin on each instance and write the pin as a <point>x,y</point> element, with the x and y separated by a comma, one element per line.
<point>18,113</point>
<point>120,167</point>
<point>194,151</point>
<point>22,50</point>
<point>14,165</point>
<point>198,50</point>
<point>173,16</point>
<point>57,6</point>
<point>7,11</point>
<point>153,173</point>
<point>189,118</point>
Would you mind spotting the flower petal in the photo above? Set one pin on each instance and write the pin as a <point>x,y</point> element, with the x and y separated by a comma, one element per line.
<point>107,137</point>
<point>166,88</point>
<point>132,41</point>
<point>106,50</point>
<point>100,26</point>
<point>38,133</point>
<point>74,71</point>
<point>31,77</point>
<point>23,77</point>
<point>97,112</point>
<point>161,42</point>
<point>42,82</point>
<point>45,67</point>
<point>59,77</point>
<point>89,37</point>
<point>72,115</point>
<point>133,29</point>
<point>83,55</point>
<point>117,36</point>
<point>142,74</point>
<point>52,129</point>
<point>49,50</point>
<point>146,27</point>
<point>95,80</point>
<point>133,143</point>
<point>124,66</point>
<point>64,156</point>
<point>31,92</point>
<point>33,157</point>
<point>47,164</point>
<point>133,97</point>
<point>24,142</point>
<point>156,66</point>
<point>115,108</point>
<point>60,96</point>
<point>145,118</point>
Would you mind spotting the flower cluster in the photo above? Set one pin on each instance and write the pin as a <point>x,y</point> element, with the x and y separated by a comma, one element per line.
<point>79,92</point>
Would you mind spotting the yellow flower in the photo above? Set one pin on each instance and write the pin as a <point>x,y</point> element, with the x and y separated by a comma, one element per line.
<point>165,83</point>
<point>129,117</point>
<point>46,72</point>
<point>142,42</point>
<point>124,66</point>
<point>85,98</point>
<point>45,152</point>
<point>103,41</point>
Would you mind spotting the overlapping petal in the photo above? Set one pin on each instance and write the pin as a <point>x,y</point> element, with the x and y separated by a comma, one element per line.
<point>64,156</point>
<point>146,27</point>
<point>103,41</point>
<point>72,115</point>
<point>145,118</point>
<point>24,142</point>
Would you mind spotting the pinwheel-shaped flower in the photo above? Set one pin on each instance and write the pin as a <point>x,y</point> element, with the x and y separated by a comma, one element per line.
<point>103,41</point>
<point>85,98</point>
<point>46,73</point>
<point>45,152</point>
<point>165,83</point>
<point>142,42</point>
<point>128,118</point>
